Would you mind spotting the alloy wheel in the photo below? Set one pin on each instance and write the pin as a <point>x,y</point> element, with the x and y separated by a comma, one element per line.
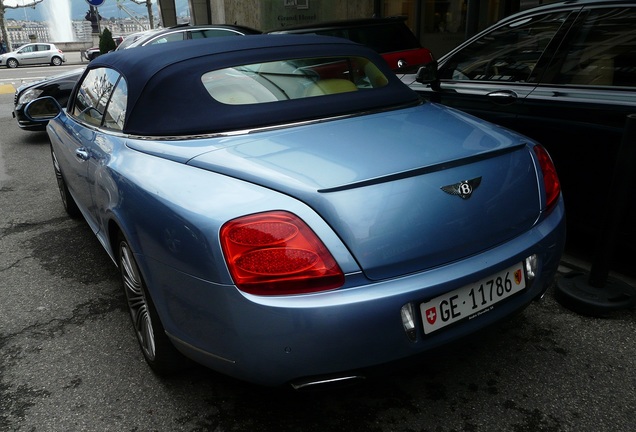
<point>137,303</point>
<point>60,181</point>
<point>67,200</point>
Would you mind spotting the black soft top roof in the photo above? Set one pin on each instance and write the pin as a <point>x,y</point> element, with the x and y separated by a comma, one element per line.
<point>166,96</point>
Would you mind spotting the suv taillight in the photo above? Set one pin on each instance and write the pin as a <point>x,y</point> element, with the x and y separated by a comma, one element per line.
<point>550,178</point>
<point>276,253</point>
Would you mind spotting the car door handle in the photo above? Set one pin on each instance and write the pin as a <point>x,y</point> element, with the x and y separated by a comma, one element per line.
<point>81,153</point>
<point>503,97</point>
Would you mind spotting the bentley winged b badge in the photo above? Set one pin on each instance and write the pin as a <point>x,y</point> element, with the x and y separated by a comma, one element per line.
<point>463,189</point>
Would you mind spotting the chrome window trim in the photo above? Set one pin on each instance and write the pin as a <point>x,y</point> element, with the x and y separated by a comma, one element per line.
<point>258,129</point>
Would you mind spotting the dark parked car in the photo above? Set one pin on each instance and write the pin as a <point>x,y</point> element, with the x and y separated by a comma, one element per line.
<point>175,33</point>
<point>388,36</point>
<point>57,86</point>
<point>60,86</point>
<point>564,74</point>
<point>184,32</point>
<point>284,209</point>
<point>91,53</point>
<point>94,52</point>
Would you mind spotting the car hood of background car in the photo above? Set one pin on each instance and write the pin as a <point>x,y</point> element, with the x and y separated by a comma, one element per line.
<point>377,180</point>
<point>73,75</point>
<point>164,84</point>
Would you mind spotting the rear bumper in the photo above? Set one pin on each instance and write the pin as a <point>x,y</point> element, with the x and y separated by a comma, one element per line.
<point>274,340</point>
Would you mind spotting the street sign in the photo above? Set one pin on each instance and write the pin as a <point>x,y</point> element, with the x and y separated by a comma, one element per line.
<point>95,3</point>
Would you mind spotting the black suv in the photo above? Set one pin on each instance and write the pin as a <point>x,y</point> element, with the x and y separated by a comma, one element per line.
<point>565,75</point>
<point>388,36</point>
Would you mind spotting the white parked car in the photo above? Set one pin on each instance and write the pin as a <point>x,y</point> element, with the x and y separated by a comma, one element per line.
<point>33,53</point>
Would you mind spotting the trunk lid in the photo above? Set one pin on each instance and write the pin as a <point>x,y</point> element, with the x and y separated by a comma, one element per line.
<point>405,190</point>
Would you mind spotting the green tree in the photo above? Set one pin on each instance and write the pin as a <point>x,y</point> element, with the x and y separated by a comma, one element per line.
<point>106,42</point>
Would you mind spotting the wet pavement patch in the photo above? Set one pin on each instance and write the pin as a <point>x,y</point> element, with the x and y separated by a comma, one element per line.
<point>74,253</point>
<point>15,404</point>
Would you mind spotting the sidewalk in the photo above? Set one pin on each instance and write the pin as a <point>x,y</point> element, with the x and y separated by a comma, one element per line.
<point>74,57</point>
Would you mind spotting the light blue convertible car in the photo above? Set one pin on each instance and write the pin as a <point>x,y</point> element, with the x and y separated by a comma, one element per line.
<point>284,210</point>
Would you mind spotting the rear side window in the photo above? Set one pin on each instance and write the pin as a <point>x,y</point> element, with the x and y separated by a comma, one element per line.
<point>292,79</point>
<point>509,53</point>
<point>603,50</point>
<point>170,37</point>
<point>211,33</point>
<point>116,109</point>
<point>91,104</point>
<point>129,40</point>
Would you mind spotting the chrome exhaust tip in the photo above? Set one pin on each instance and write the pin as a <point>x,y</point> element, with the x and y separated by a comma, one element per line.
<point>317,383</point>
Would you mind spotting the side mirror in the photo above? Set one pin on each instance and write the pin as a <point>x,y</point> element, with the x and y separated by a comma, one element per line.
<point>43,109</point>
<point>428,75</point>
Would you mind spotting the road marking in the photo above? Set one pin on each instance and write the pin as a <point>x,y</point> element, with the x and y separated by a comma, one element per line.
<point>6,89</point>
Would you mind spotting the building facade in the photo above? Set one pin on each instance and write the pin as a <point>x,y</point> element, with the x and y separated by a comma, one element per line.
<point>21,32</point>
<point>440,25</point>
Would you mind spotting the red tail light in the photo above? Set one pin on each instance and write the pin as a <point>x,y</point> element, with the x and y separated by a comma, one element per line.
<point>550,177</point>
<point>276,253</point>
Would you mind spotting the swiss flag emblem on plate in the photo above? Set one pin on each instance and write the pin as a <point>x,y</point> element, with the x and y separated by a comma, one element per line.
<point>473,299</point>
<point>431,315</point>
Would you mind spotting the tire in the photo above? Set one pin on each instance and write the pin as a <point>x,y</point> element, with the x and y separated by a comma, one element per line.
<point>162,357</point>
<point>12,63</point>
<point>56,61</point>
<point>70,206</point>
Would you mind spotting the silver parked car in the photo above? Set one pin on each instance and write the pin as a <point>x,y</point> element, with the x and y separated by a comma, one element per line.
<point>33,53</point>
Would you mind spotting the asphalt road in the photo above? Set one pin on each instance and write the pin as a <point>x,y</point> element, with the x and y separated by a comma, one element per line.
<point>69,360</point>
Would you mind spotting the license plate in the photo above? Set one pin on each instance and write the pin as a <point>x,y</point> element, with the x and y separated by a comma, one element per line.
<point>472,300</point>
